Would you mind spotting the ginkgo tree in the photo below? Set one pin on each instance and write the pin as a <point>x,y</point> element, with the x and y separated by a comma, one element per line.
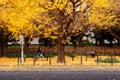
<point>18,17</point>
<point>63,18</point>
<point>21,15</point>
<point>51,18</point>
<point>3,28</point>
<point>114,30</point>
<point>56,19</point>
<point>105,15</point>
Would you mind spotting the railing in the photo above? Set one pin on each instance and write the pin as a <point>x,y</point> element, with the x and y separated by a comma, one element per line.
<point>101,50</point>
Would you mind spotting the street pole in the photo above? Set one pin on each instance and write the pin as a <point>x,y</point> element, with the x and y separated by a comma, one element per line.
<point>22,46</point>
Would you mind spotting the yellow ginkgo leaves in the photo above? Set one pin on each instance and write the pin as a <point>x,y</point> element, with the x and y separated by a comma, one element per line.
<point>36,17</point>
<point>102,15</point>
<point>18,15</point>
<point>101,3</point>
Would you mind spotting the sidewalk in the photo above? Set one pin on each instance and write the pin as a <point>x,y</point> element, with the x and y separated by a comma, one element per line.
<point>12,63</point>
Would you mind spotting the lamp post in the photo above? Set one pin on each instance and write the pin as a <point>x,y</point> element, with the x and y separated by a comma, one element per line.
<point>22,46</point>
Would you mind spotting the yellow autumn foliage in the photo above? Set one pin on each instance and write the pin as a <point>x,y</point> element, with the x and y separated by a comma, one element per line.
<point>18,15</point>
<point>35,17</point>
<point>101,3</point>
<point>102,15</point>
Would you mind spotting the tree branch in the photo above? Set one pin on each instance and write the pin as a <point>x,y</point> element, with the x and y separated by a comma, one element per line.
<point>116,36</point>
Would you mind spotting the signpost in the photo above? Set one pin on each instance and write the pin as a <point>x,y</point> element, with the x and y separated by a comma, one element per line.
<point>22,45</point>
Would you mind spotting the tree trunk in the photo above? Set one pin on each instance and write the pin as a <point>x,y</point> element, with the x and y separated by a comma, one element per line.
<point>118,42</point>
<point>101,42</point>
<point>1,51</point>
<point>96,40</point>
<point>61,56</point>
<point>27,42</point>
<point>111,44</point>
<point>80,40</point>
<point>1,43</point>
<point>3,40</point>
<point>2,48</point>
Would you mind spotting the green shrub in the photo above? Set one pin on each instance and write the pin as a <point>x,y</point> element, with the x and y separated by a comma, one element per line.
<point>108,60</point>
<point>50,54</point>
<point>29,54</point>
<point>12,55</point>
<point>88,43</point>
<point>70,54</point>
<point>100,60</point>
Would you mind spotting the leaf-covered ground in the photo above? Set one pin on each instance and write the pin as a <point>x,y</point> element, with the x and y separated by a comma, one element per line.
<point>12,63</point>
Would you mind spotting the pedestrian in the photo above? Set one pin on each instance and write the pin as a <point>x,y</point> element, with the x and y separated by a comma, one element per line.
<point>92,53</point>
<point>39,53</point>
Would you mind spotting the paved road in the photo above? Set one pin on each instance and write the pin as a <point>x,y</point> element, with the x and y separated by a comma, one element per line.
<point>61,74</point>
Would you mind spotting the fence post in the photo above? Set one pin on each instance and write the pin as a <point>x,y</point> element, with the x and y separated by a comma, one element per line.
<point>97,58</point>
<point>64,61</point>
<point>86,56</point>
<point>111,59</point>
<point>34,60</point>
<point>81,62</point>
<point>72,58</point>
<point>49,60</point>
<point>18,60</point>
<point>46,58</point>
